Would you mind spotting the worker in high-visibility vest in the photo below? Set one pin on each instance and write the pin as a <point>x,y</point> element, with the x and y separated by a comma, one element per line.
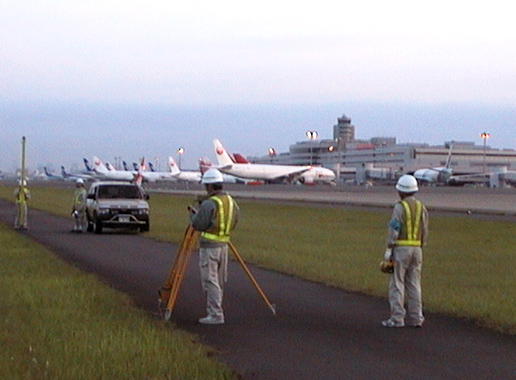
<point>407,233</point>
<point>22,195</point>
<point>216,218</point>
<point>79,207</point>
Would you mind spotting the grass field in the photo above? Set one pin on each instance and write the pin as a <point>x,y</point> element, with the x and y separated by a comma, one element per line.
<point>468,263</point>
<point>59,323</point>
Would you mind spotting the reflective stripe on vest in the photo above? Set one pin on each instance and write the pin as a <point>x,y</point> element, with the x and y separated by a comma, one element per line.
<point>412,225</point>
<point>224,219</point>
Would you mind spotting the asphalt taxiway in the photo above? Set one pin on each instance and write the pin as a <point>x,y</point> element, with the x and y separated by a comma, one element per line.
<point>319,332</point>
<point>499,202</point>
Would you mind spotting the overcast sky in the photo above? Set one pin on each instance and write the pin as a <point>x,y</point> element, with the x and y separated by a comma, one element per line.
<point>312,61</point>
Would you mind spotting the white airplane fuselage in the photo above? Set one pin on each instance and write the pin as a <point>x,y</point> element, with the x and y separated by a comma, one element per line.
<point>316,175</point>
<point>261,171</point>
<point>269,172</point>
<point>433,175</point>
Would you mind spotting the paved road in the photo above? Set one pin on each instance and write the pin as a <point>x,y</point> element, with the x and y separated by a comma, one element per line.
<point>320,332</point>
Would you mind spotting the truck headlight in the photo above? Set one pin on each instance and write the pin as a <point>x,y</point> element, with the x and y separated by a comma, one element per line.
<point>103,211</point>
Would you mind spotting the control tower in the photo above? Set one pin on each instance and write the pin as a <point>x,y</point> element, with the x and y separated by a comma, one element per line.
<point>344,131</point>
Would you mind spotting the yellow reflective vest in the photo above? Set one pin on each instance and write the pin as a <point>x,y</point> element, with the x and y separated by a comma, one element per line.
<point>224,219</point>
<point>22,194</point>
<point>410,234</point>
<point>79,197</point>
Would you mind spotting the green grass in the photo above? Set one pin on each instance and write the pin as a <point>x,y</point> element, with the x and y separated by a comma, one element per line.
<point>467,269</point>
<point>59,323</point>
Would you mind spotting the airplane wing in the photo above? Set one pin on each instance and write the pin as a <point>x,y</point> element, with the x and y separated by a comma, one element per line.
<point>471,179</point>
<point>295,175</point>
<point>493,178</point>
<point>224,167</point>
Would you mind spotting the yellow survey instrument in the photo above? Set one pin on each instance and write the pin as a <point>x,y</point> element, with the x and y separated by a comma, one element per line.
<point>253,280</point>
<point>169,291</point>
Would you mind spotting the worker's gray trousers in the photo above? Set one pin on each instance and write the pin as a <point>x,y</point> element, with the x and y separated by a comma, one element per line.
<point>20,220</point>
<point>80,221</point>
<point>405,284</point>
<point>213,263</point>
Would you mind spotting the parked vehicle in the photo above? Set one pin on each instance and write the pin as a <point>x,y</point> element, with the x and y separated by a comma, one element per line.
<point>117,205</point>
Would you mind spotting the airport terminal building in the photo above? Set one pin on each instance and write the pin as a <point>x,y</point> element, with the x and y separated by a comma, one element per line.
<point>383,159</point>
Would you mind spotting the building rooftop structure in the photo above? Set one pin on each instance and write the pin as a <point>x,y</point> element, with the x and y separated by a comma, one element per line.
<point>383,158</point>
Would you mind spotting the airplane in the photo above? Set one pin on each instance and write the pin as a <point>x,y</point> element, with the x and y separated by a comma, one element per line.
<point>89,168</point>
<point>102,172</point>
<point>138,178</point>
<point>239,159</point>
<point>75,176</point>
<point>110,167</point>
<point>187,176</point>
<point>307,175</point>
<point>205,164</point>
<point>150,176</point>
<point>445,175</point>
<point>498,177</point>
<point>153,175</point>
<point>436,175</point>
<point>52,176</point>
<point>109,172</point>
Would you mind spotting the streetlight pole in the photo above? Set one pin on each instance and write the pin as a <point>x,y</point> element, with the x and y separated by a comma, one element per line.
<point>331,148</point>
<point>272,153</point>
<point>339,157</point>
<point>312,135</point>
<point>180,152</point>
<point>484,136</point>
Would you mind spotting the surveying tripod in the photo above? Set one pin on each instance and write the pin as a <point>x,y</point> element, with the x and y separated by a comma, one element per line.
<point>169,291</point>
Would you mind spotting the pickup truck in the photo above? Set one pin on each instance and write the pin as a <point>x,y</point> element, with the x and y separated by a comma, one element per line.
<point>117,205</point>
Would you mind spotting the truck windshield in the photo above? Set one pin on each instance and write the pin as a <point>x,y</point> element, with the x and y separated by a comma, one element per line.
<point>121,191</point>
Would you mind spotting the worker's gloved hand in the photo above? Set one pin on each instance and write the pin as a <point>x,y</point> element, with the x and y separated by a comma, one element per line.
<point>388,254</point>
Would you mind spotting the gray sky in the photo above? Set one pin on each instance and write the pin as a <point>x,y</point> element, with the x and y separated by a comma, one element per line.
<point>163,74</point>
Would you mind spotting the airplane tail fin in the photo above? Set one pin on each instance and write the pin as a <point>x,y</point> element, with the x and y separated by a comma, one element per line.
<point>204,164</point>
<point>174,169</point>
<point>87,165</point>
<point>124,164</point>
<point>151,166</point>
<point>64,173</point>
<point>47,172</point>
<point>223,157</point>
<point>98,166</point>
<point>239,159</point>
<point>448,159</point>
<point>138,177</point>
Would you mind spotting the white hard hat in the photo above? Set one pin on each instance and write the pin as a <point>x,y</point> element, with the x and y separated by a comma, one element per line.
<point>79,181</point>
<point>407,184</point>
<point>212,176</point>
